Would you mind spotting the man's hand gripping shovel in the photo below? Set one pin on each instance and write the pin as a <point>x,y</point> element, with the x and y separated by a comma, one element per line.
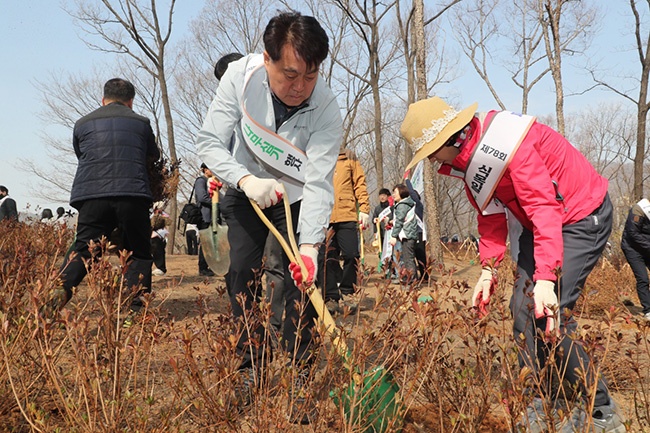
<point>372,400</point>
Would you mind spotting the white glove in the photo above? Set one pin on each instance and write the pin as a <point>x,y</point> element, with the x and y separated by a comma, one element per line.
<point>482,292</point>
<point>546,304</point>
<point>309,255</point>
<point>364,220</point>
<point>266,192</point>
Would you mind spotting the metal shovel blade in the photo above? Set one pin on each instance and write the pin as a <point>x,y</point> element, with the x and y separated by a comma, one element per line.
<point>214,242</point>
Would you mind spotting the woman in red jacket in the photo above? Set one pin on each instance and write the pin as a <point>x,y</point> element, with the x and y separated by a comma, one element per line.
<point>518,170</point>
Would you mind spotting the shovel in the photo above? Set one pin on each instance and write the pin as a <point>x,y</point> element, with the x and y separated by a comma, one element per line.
<point>372,400</point>
<point>377,243</point>
<point>214,241</point>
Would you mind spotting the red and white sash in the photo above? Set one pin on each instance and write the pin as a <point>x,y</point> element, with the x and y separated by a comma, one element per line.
<point>492,155</point>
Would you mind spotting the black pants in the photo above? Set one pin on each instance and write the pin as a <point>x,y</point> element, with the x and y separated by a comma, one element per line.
<point>639,265</point>
<point>342,243</point>
<point>274,272</point>
<point>191,242</point>
<point>99,217</point>
<point>158,252</point>
<point>203,265</point>
<point>584,241</point>
<point>421,258</point>
<point>247,235</point>
<point>409,271</point>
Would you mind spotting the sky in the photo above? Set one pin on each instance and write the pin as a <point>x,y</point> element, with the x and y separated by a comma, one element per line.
<point>38,37</point>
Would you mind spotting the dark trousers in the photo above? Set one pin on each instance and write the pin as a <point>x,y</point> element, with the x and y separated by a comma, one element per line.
<point>99,217</point>
<point>203,265</point>
<point>158,253</point>
<point>421,258</point>
<point>191,242</point>
<point>342,242</point>
<point>247,235</point>
<point>584,242</point>
<point>639,265</point>
<point>274,272</point>
<point>409,271</point>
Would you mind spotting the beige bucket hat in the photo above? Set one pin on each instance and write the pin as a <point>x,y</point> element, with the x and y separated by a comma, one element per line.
<point>429,123</point>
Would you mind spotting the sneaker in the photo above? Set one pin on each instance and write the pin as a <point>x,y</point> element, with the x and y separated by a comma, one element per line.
<point>333,307</point>
<point>349,303</point>
<point>206,273</point>
<point>605,420</point>
<point>157,273</point>
<point>646,316</point>
<point>535,419</point>
<point>244,388</point>
<point>302,409</point>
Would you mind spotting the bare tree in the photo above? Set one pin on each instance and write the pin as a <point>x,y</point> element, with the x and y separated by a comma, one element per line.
<point>642,102</point>
<point>414,43</point>
<point>528,65</point>
<point>65,98</point>
<point>142,31</point>
<point>366,20</point>
<point>566,26</point>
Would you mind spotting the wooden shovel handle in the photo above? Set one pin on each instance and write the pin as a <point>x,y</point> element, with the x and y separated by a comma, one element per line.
<point>293,252</point>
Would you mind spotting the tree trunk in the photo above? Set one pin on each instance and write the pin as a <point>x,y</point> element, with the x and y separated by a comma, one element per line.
<point>431,215</point>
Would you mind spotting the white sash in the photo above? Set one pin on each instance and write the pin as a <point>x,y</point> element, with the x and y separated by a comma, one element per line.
<point>493,207</point>
<point>267,146</point>
<point>493,154</point>
<point>387,250</point>
<point>644,204</point>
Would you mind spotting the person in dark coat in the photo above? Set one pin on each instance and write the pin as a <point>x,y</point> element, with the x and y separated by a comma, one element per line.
<point>205,201</point>
<point>114,146</point>
<point>7,205</point>
<point>636,247</point>
<point>383,196</point>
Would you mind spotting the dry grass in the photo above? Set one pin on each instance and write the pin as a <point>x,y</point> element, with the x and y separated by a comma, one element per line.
<point>176,373</point>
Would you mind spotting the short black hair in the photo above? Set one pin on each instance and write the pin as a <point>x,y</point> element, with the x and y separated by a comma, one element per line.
<point>118,89</point>
<point>4,189</point>
<point>60,210</point>
<point>303,33</point>
<point>222,64</point>
<point>384,191</point>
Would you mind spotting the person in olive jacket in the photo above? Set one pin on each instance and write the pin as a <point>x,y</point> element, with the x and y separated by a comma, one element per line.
<point>114,147</point>
<point>636,247</point>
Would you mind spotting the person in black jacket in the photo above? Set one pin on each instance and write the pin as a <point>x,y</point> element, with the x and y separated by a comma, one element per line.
<point>203,199</point>
<point>114,146</point>
<point>7,205</point>
<point>636,247</point>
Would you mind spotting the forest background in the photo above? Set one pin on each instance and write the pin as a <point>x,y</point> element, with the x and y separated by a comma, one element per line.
<point>579,66</point>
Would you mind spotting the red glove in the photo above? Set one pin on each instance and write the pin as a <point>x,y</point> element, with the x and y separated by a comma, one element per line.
<point>214,184</point>
<point>309,255</point>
